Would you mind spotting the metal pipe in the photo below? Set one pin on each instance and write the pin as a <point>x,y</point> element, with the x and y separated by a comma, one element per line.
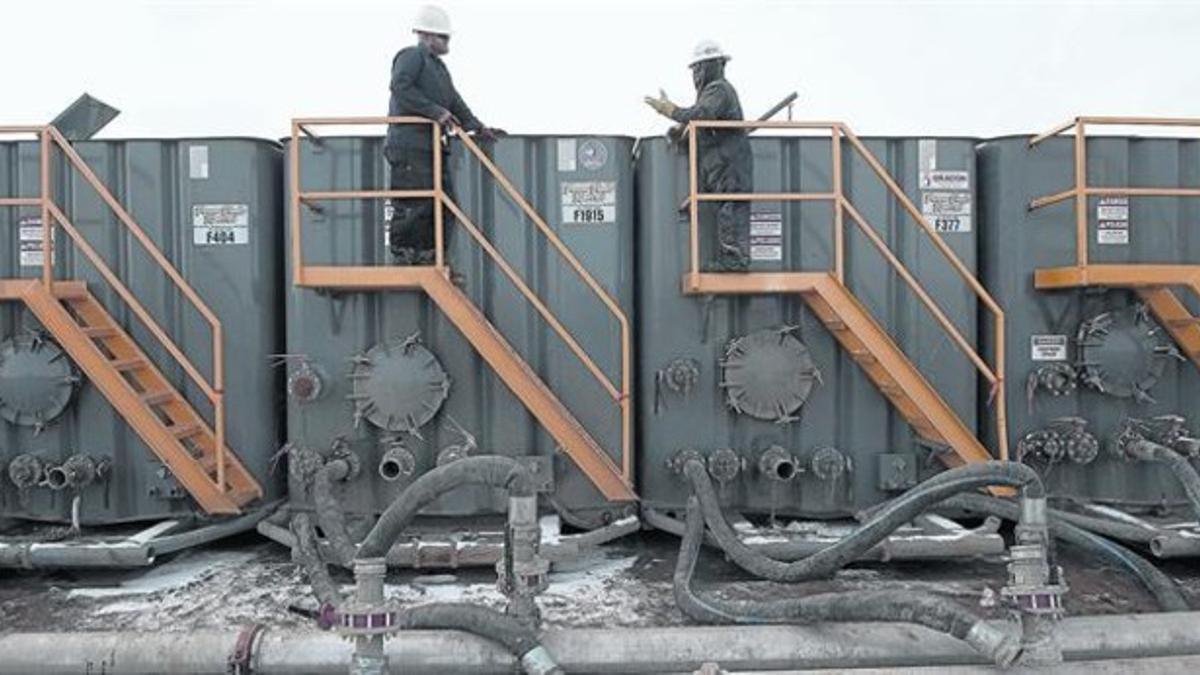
<point>787,100</point>
<point>593,650</point>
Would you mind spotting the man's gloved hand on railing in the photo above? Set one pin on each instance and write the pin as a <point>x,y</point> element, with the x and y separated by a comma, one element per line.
<point>448,120</point>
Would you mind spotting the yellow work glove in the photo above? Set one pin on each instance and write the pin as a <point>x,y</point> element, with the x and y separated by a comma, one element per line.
<point>662,105</point>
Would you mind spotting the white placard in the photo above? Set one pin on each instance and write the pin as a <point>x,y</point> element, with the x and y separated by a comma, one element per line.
<point>1048,347</point>
<point>589,202</point>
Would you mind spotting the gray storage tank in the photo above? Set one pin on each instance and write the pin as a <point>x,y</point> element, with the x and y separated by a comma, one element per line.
<point>178,191</point>
<point>847,446</point>
<point>1086,363</point>
<point>446,401</point>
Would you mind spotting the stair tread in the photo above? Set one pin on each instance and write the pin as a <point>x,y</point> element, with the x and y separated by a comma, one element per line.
<point>99,331</point>
<point>131,363</point>
<point>158,397</point>
<point>182,431</point>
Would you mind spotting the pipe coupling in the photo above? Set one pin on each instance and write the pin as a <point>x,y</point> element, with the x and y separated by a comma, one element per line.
<point>999,645</point>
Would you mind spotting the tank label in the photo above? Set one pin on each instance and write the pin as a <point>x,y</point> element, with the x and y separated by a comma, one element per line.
<point>198,162</point>
<point>766,235</point>
<point>589,203</point>
<point>947,211</point>
<point>1112,220</point>
<point>566,154</point>
<point>220,224</point>
<point>30,238</point>
<point>1048,347</point>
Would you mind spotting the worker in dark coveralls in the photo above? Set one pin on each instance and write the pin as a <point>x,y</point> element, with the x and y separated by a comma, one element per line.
<point>421,87</point>
<point>725,162</point>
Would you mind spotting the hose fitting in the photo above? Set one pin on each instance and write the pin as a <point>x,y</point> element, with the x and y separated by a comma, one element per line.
<point>78,472</point>
<point>776,464</point>
<point>987,639</point>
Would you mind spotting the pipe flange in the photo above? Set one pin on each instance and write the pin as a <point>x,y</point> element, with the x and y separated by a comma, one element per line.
<point>681,375</point>
<point>396,462</point>
<point>26,471</point>
<point>724,465</point>
<point>682,457</point>
<point>341,451</point>
<point>827,463</point>
<point>777,464</point>
<point>305,384</point>
<point>1123,353</point>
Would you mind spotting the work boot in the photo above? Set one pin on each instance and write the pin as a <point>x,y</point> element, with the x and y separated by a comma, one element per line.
<point>733,259</point>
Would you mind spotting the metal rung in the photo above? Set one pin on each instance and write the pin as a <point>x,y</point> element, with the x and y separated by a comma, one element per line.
<point>99,332</point>
<point>863,356</point>
<point>158,397</point>
<point>182,431</point>
<point>126,365</point>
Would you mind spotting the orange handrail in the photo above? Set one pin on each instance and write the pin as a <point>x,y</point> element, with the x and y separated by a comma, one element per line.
<point>1082,190</point>
<point>993,373</point>
<point>299,197</point>
<point>52,214</point>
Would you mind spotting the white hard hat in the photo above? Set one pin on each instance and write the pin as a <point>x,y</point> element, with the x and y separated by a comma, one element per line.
<point>432,19</point>
<point>706,50</point>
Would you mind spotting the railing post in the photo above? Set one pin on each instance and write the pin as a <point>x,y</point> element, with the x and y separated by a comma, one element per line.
<point>47,227</point>
<point>438,197</point>
<point>693,205</point>
<point>1081,197</point>
<point>219,403</point>
<point>839,234</point>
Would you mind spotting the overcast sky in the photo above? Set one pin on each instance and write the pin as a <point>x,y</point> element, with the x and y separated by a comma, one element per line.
<point>208,67</point>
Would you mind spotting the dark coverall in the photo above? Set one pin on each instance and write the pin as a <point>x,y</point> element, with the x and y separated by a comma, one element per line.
<point>724,164</point>
<point>421,86</point>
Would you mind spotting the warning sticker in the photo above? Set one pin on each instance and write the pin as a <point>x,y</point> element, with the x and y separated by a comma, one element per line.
<point>589,203</point>
<point>29,237</point>
<point>945,180</point>
<point>1048,347</point>
<point>1112,220</point>
<point>766,235</point>
<point>947,211</point>
<point>220,224</point>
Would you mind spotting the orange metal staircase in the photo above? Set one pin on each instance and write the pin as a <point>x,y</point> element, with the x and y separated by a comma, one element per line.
<point>932,419</point>
<point>613,481</point>
<point>869,345</point>
<point>139,392</point>
<point>177,434</point>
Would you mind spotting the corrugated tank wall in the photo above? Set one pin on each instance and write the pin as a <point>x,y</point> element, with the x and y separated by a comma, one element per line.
<point>179,192</point>
<point>844,410</point>
<point>1044,327</point>
<point>329,331</point>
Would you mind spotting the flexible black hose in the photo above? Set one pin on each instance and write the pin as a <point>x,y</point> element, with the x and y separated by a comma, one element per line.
<point>891,517</point>
<point>329,511</point>
<point>498,472</point>
<point>1182,468</point>
<point>926,610</point>
<point>481,621</point>
<point>1161,586</point>
<point>1106,527</point>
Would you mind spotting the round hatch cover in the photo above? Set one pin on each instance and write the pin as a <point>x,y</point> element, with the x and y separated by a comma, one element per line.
<point>398,385</point>
<point>37,380</point>
<point>1123,353</point>
<point>768,375</point>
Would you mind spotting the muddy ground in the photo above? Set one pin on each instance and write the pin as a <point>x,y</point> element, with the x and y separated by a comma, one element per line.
<point>248,579</point>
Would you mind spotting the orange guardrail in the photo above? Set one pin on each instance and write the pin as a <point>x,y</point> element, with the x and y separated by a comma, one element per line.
<point>362,276</point>
<point>839,132</point>
<point>1082,190</point>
